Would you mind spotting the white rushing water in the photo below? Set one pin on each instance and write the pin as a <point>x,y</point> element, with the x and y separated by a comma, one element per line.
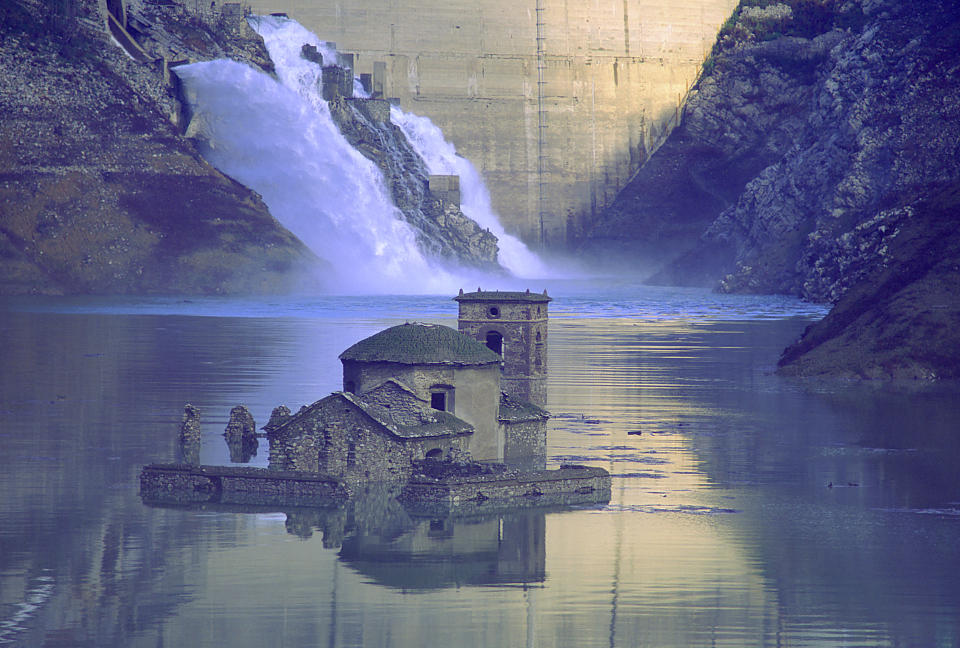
<point>442,159</point>
<point>278,139</point>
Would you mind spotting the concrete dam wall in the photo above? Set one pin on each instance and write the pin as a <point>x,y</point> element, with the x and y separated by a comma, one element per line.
<point>558,102</point>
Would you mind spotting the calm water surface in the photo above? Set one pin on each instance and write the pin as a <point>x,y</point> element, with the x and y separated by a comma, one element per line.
<point>747,509</point>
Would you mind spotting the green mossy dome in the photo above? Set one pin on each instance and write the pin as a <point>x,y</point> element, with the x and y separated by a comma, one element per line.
<point>420,344</point>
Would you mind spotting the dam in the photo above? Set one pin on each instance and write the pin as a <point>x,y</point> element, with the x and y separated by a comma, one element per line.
<point>557,103</point>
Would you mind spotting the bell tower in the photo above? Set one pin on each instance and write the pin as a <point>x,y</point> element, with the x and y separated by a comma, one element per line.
<point>514,325</point>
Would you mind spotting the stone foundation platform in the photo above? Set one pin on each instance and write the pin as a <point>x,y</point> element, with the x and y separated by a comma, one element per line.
<point>184,484</point>
<point>187,484</point>
<point>487,493</point>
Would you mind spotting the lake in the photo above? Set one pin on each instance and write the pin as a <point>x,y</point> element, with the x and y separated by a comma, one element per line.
<point>747,509</point>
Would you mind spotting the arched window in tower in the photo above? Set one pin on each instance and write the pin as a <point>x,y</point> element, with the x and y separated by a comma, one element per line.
<point>495,342</point>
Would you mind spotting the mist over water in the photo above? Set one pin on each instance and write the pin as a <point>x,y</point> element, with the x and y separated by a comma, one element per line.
<point>278,138</point>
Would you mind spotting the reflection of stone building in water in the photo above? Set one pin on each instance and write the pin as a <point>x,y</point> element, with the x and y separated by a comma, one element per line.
<point>380,538</point>
<point>419,391</point>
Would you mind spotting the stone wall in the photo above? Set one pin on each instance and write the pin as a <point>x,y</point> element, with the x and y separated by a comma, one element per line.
<point>336,438</point>
<point>525,443</point>
<point>613,72</point>
<point>523,326</point>
<point>356,452</point>
<point>227,484</point>
<point>476,395</point>
<point>487,492</point>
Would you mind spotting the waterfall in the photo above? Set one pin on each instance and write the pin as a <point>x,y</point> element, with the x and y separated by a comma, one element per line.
<point>442,159</point>
<point>277,137</point>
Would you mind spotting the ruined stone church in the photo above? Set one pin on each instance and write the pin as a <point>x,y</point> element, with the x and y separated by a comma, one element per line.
<point>419,391</point>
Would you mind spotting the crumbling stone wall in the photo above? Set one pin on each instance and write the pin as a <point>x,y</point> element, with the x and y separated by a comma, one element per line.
<point>353,451</point>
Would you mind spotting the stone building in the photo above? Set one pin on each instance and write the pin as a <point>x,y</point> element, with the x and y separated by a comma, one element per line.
<point>419,391</point>
<point>513,325</point>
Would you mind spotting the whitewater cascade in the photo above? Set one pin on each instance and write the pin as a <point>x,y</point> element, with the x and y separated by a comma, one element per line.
<point>278,138</point>
<point>442,159</point>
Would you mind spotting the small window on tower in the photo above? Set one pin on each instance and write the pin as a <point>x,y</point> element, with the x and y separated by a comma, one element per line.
<point>438,401</point>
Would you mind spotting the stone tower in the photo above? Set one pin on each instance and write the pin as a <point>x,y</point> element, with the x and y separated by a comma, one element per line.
<point>514,325</point>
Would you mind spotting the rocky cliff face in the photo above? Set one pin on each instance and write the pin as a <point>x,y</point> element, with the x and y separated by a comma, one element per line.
<point>808,156</point>
<point>902,320</point>
<point>99,193</point>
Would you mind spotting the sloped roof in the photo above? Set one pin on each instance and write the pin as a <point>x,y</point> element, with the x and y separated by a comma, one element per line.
<point>430,424</point>
<point>502,296</point>
<point>421,344</point>
<point>516,410</point>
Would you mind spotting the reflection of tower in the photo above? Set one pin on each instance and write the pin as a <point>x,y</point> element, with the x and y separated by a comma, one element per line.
<point>513,324</point>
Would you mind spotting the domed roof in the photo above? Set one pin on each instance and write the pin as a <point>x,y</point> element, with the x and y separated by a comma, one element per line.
<point>421,344</point>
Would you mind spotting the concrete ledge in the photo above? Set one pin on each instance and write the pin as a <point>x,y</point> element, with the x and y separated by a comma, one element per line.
<point>566,486</point>
<point>182,483</point>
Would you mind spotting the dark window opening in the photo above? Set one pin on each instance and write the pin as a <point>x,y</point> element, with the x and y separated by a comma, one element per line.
<point>494,311</point>
<point>438,401</point>
<point>350,387</point>
<point>436,453</point>
<point>538,336</point>
<point>495,342</point>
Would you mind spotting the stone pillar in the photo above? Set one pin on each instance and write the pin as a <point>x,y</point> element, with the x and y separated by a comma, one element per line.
<point>190,436</point>
<point>241,435</point>
<point>337,82</point>
<point>379,86</point>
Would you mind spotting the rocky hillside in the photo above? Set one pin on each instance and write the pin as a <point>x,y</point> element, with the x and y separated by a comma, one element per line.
<point>99,193</point>
<point>816,158</point>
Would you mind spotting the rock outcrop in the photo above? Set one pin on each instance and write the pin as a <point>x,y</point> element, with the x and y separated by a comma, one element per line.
<point>443,231</point>
<point>902,320</point>
<point>814,158</point>
<point>99,193</point>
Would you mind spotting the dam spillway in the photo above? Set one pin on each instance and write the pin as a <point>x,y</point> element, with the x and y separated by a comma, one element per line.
<point>557,103</point>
